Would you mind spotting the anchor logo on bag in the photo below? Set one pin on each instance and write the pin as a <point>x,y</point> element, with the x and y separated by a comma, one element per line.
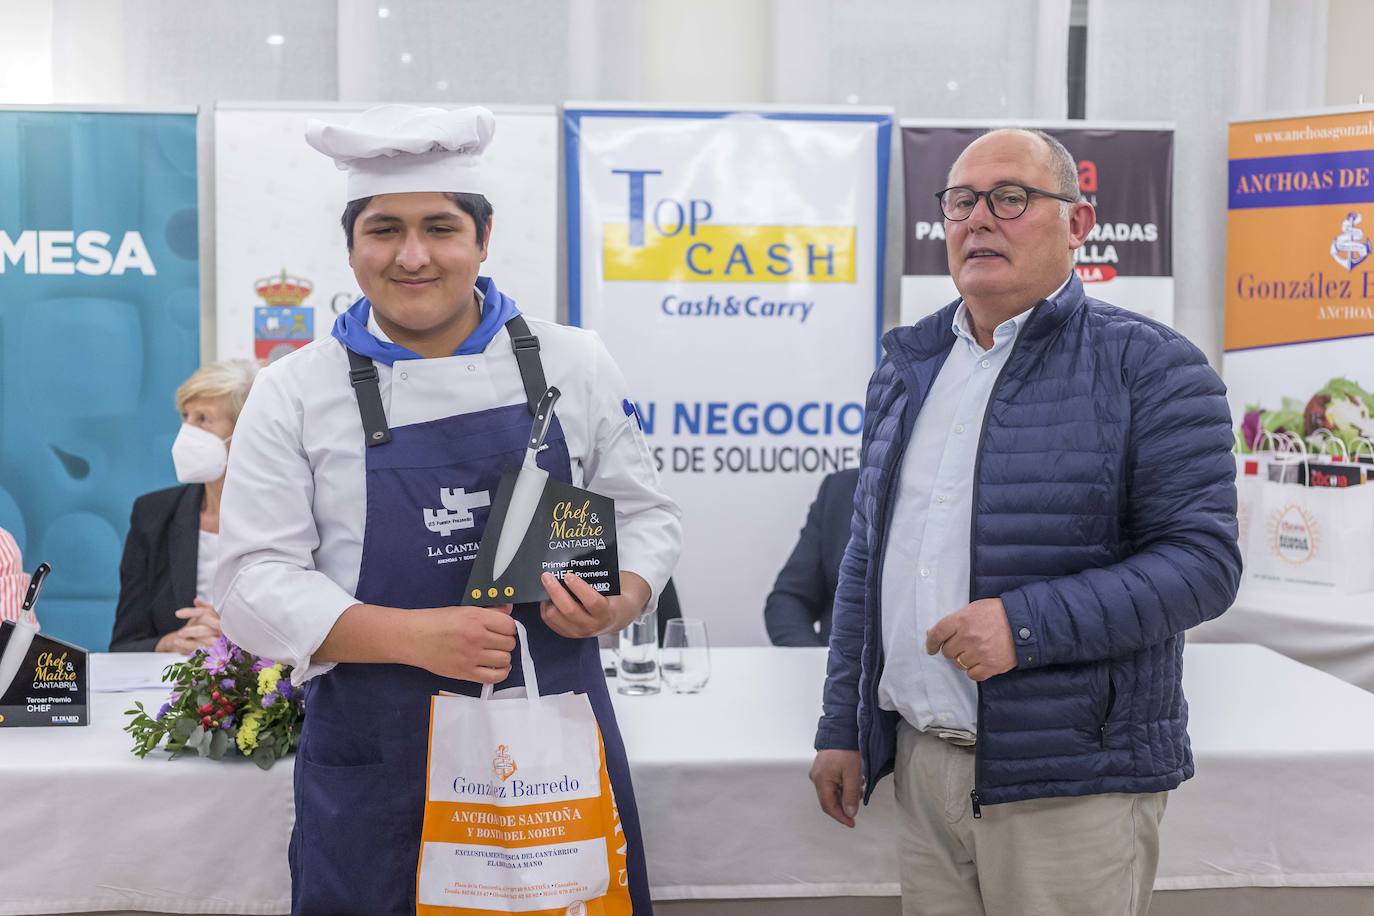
<point>457,510</point>
<point>503,764</point>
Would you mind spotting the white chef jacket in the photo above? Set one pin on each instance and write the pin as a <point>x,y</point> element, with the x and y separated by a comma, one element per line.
<point>294,505</point>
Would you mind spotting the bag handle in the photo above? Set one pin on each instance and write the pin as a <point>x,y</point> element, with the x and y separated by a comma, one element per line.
<point>1292,450</point>
<point>1322,440</point>
<point>1365,442</point>
<point>526,662</point>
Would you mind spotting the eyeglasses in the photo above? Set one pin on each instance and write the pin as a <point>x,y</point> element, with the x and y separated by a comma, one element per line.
<point>1006,201</point>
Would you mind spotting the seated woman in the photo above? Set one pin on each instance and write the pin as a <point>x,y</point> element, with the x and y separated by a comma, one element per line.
<point>14,582</point>
<point>173,545</point>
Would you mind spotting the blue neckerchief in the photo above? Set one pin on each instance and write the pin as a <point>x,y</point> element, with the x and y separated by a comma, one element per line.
<point>350,328</point>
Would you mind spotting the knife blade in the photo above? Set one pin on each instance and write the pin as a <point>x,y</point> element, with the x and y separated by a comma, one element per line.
<point>529,487</point>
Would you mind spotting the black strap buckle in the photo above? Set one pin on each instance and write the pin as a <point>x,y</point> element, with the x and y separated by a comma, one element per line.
<point>363,375</point>
<point>529,342</point>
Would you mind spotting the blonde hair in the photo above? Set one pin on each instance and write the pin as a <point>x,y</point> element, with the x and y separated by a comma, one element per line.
<point>229,379</point>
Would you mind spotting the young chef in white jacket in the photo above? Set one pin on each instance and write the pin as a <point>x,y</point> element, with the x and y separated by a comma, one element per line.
<point>359,487</point>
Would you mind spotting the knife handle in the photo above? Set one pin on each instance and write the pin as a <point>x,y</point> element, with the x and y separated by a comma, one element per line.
<point>36,583</point>
<point>543,416</point>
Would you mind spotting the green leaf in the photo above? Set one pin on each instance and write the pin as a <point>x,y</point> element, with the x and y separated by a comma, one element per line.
<point>199,741</point>
<point>266,739</point>
<point>219,743</point>
<point>264,758</point>
<point>184,726</point>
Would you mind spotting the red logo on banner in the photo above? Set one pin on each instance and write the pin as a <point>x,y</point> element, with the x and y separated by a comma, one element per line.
<point>1095,273</point>
<point>1087,176</point>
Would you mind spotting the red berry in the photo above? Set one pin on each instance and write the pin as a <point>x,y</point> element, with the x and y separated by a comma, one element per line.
<point>228,708</point>
<point>206,709</point>
<point>205,721</point>
<point>214,695</point>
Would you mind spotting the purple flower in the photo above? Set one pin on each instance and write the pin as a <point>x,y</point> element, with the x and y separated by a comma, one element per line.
<point>228,722</point>
<point>268,699</point>
<point>1252,430</point>
<point>219,655</point>
<point>285,689</point>
<point>262,663</point>
<point>227,684</point>
<point>163,711</point>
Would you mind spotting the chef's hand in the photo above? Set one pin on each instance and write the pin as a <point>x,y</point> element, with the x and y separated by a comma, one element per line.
<point>579,611</point>
<point>838,777</point>
<point>467,643</point>
<point>201,629</point>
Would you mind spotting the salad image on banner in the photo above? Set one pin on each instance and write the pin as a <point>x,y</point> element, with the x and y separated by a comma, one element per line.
<point>1124,170</point>
<point>731,260</point>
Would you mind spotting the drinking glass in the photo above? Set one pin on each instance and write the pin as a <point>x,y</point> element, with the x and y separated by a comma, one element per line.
<point>686,656</point>
<point>638,661</point>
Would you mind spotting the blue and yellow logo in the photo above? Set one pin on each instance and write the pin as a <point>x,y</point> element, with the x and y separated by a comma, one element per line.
<point>675,240</point>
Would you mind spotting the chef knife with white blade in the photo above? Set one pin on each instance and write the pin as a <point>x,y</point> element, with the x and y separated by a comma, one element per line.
<point>22,636</point>
<point>529,487</point>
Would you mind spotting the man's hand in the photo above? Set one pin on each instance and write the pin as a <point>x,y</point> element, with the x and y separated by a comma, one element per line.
<point>201,629</point>
<point>467,643</point>
<point>579,611</point>
<point>838,778</point>
<point>977,638</point>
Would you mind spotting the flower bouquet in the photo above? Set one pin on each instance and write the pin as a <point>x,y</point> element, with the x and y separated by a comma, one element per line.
<point>223,699</point>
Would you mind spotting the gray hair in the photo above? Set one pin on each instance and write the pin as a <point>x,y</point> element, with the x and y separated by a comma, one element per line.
<point>229,379</point>
<point>1062,164</point>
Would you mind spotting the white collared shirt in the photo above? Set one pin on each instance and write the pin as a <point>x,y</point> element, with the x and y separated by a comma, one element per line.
<point>294,504</point>
<point>926,559</point>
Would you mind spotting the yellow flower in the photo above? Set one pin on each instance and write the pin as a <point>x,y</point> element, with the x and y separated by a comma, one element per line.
<point>247,737</point>
<point>267,679</point>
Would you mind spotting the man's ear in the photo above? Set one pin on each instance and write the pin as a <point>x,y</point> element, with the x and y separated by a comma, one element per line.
<point>1082,218</point>
<point>486,242</point>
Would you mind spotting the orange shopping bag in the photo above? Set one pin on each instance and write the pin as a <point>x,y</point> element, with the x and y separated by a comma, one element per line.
<point>519,813</point>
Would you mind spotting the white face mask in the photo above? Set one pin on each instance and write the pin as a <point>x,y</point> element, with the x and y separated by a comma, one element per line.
<point>198,455</point>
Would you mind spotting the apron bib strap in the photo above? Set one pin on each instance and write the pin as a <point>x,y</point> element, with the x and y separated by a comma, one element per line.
<point>363,374</point>
<point>526,347</point>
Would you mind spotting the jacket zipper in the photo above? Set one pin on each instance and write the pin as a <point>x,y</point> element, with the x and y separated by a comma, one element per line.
<point>881,547</point>
<point>973,553</point>
<point>1111,704</point>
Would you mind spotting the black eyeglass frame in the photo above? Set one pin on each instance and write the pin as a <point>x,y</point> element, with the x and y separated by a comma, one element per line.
<point>992,208</point>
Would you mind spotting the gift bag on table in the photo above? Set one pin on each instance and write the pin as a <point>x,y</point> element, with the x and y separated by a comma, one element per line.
<point>519,813</point>
<point>1315,525</point>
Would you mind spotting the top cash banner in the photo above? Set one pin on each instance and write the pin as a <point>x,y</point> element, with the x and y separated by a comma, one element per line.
<point>732,262</point>
<point>1124,170</point>
<point>1299,298</point>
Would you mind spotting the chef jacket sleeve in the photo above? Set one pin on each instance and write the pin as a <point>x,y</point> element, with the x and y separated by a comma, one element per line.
<point>272,600</point>
<point>619,465</point>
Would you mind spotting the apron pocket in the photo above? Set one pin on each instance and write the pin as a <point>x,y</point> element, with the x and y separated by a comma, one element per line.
<point>352,853</point>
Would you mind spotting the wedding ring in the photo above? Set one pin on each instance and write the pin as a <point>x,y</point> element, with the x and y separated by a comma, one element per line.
<point>959,660</point>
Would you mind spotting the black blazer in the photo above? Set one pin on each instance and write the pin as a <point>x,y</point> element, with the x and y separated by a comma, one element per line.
<point>804,594</point>
<point>157,576</point>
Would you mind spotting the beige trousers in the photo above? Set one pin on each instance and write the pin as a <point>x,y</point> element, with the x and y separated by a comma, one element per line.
<point>1089,856</point>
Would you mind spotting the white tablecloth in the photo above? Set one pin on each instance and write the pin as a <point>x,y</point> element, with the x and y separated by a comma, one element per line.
<point>1334,633</point>
<point>1284,797</point>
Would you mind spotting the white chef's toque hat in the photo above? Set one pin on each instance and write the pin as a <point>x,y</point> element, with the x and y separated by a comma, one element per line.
<point>392,149</point>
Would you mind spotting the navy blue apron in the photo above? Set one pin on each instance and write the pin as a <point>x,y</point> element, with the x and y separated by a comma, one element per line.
<point>360,769</point>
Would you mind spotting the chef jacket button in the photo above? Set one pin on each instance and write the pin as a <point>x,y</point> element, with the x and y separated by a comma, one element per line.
<point>471,367</point>
<point>404,376</point>
<point>1024,633</point>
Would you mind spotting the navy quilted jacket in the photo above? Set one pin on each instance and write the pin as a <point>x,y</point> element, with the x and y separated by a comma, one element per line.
<point>1104,518</point>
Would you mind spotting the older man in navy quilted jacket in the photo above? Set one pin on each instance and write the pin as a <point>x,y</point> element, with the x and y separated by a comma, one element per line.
<point>1046,503</point>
